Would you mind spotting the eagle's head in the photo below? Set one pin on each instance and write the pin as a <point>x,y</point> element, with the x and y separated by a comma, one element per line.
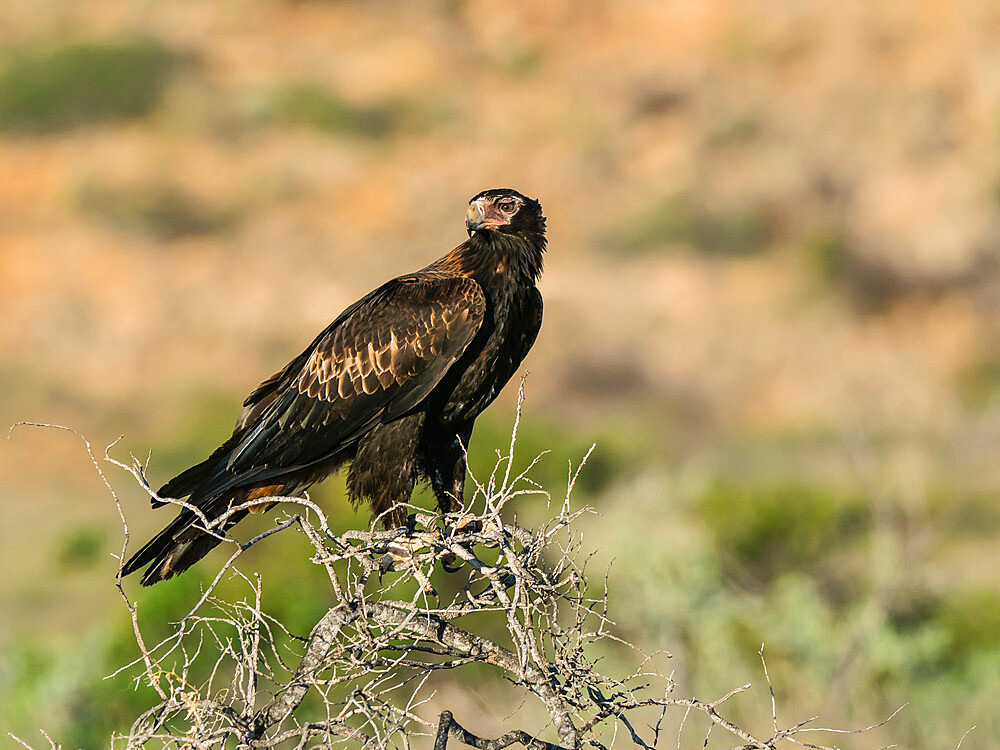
<point>504,210</point>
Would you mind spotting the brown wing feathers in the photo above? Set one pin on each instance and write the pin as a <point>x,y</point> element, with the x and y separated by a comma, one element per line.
<point>357,360</point>
<point>377,363</point>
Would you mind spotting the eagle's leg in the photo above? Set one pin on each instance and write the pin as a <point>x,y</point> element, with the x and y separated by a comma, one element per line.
<point>384,470</point>
<point>445,465</point>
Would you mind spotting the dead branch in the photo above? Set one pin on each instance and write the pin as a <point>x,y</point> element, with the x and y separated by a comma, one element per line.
<point>386,631</point>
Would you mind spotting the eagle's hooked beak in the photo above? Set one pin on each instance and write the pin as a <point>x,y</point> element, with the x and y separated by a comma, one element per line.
<point>474,217</point>
<point>482,214</point>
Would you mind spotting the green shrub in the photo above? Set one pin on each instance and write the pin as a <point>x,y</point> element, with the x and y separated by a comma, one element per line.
<point>870,284</point>
<point>972,621</point>
<point>82,547</point>
<point>561,447</point>
<point>43,91</point>
<point>157,209</point>
<point>677,219</point>
<point>829,254</point>
<point>979,383</point>
<point>733,130</point>
<point>319,108</point>
<point>520,60</point>
<point>764,532</point>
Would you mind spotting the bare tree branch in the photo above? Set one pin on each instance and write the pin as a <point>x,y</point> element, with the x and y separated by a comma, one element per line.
<point>368,658</point>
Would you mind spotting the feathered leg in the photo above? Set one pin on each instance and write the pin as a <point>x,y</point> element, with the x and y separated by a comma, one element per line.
<point>383,470</point>
<point>443,462</point>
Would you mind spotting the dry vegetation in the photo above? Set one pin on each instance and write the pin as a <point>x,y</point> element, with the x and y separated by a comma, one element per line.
<point>525,612</point>
<point>771,298</point>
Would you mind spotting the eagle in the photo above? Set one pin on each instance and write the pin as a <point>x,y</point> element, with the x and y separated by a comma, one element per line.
<point>390,389</point>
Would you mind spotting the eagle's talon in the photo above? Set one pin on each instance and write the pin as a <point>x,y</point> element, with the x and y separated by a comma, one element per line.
<point>464,524</point>
<point>473,525</point>
<point>493,529</point>
<point>404,549</point>
<point>446,563</point>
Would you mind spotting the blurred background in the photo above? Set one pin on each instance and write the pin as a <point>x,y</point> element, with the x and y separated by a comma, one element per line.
<point>772,299</point>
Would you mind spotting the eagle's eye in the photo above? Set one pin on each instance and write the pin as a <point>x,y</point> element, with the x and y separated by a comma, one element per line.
<point>507,206</point>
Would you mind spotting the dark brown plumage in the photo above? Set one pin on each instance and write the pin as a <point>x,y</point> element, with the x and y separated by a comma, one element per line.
<point>392,387</point>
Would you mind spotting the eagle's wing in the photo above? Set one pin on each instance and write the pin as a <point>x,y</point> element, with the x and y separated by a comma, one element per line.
<point>376,362</point>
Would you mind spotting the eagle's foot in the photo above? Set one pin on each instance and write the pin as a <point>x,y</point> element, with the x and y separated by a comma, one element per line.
<point>405,548</point>
<point>468,524</point>
<point>465,524</point>
<point>401,554</point>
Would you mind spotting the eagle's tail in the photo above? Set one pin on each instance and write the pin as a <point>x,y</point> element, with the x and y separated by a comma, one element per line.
<point>179,546</point>
<point>194,479</point>
<point>185,483</point>
<point>185,541</point>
